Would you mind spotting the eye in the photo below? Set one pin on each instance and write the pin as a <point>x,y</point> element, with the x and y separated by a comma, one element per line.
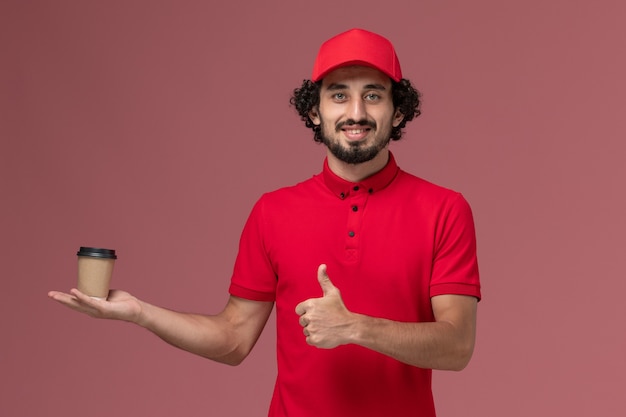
<point>372,97</point>
<point>339,96</point>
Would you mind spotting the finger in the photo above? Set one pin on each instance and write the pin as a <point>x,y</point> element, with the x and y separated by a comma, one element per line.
<point>324,280</point>
<point>72,301</point>
<point>303,322</point>
<point>300,309</point>
<point>84,298</point>
<point>62,297</point>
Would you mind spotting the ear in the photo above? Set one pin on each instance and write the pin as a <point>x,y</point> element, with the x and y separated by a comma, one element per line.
<point>397,118</point>
<point>314,116</point>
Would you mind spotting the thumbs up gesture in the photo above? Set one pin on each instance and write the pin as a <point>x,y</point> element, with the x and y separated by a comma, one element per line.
<point>326,321</point>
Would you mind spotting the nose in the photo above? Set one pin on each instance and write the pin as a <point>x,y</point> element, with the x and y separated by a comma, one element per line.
<point>356,110</point>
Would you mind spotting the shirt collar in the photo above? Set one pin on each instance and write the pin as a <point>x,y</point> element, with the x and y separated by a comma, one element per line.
<point>376,182</point>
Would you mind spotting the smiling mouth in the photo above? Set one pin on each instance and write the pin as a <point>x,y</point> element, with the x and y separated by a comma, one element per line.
<point>356,126</point>
<point>355,135</point>
<point>355,131</point>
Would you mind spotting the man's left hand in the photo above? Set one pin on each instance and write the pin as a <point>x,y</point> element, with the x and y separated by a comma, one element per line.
<point>326,321</point>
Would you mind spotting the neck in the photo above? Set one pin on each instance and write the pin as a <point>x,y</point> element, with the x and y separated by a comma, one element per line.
<point>358,172</point>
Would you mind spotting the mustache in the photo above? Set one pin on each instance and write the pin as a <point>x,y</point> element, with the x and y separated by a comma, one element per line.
<point>350,122</point>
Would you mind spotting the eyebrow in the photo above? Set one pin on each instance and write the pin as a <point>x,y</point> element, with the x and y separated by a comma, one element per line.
<point>336,86</point>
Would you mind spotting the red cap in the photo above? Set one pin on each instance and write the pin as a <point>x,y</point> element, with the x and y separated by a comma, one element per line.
<point>357,47</point>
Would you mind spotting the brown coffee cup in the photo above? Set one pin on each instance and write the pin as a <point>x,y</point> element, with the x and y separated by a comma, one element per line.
<point>95,268</point>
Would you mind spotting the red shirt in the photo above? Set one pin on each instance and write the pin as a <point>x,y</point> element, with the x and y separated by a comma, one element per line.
<point>391,242</point>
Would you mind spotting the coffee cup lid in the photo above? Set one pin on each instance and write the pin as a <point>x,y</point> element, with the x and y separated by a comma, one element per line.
<point>97,252</point>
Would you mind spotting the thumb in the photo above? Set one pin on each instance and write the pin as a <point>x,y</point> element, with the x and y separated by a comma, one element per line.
<point>324,280</point>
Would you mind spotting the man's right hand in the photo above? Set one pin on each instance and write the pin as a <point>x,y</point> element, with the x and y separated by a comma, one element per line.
<point>226,337</point>
<point>120,305</point>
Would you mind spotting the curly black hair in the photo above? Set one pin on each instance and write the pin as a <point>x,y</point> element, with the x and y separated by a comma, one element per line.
<point>405,97</point>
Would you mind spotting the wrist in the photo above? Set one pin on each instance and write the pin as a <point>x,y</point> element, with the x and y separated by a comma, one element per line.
<point>141,317</point>
<point>359,329</point>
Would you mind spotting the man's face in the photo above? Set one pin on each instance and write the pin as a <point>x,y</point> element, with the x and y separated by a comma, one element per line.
<point>356,113</point>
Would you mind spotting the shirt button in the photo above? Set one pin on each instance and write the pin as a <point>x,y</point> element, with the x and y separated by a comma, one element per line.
<point>351,233</point>
<point>355,208</point>
<point>356,188</point>
<point>371,190</point>
<point>342,196</point>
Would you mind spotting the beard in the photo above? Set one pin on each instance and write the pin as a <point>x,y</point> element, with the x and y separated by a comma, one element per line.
<point>355,152</point>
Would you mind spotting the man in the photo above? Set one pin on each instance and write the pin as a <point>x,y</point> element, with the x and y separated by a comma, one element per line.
<point>373,271</point>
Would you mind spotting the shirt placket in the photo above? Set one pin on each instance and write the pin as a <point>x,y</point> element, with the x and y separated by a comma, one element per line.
<point>356,200</point>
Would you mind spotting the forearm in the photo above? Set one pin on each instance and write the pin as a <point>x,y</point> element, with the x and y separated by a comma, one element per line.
<point>433,345</point>
<point>446,343</point>
<point>212,337</point>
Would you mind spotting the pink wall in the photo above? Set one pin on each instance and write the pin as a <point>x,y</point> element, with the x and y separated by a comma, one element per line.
<point>152,127</point>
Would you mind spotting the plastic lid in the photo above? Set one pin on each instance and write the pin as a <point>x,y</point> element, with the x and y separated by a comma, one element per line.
<point>97,252</point>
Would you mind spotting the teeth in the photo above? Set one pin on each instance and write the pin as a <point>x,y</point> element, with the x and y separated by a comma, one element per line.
<point>355,131</point>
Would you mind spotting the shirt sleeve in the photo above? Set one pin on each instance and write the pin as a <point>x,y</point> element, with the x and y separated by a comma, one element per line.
<point>253,275</point>
<point>455,264</point>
